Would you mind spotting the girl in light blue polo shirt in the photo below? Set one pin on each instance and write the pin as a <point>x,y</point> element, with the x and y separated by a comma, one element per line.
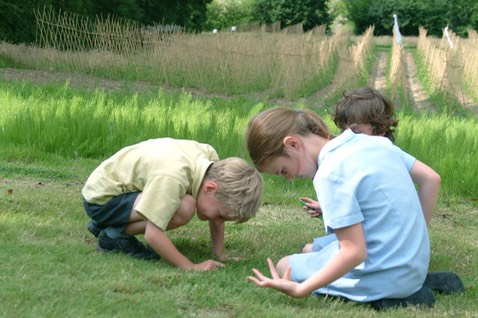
<point>368,201</point>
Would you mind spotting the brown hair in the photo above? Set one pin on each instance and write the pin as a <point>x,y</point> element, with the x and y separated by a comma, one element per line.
<point>367,106</point>
<point>266,131</point>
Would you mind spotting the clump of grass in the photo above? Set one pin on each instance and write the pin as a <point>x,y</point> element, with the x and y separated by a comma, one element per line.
<point>447,144</point>
<point>98,123</point>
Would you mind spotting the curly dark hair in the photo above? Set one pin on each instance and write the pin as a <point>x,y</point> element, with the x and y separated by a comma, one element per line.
<point>367,106</point>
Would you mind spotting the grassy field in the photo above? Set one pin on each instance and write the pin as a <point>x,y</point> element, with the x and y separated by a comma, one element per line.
<point>52,137</point>
<point>50,267</point>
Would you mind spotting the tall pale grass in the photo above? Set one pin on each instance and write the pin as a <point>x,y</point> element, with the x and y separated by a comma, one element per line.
<point>397,80</point>
<point>279,64</point>
<point>434,59</point>
<point>453,68</point>
<point>355,61</point>
<point>469,62</point>
<point>359,52</point>
<point>286,64</point>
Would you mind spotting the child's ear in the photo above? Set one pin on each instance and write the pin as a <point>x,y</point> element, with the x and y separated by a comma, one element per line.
<point>290,141</point>
<point>210,186</point>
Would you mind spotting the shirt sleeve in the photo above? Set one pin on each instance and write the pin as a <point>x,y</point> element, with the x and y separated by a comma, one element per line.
<point>407,158</point>
<point>161,198</point>
<point>340,205</point>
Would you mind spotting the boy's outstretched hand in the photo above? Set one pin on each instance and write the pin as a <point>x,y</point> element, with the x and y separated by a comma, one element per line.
<point>284,284</point>
<point>208,265</point>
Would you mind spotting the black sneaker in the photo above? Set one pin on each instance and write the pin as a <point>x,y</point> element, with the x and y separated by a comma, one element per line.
<point>423,297</point>
<point>94,229</point>
<point>130,246</point>
<point>444,282</point>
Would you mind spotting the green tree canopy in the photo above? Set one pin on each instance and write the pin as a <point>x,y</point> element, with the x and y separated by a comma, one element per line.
<point>433,15</point>
<point>311,13</point>
<point>18,24</point>
<point>223,14</point>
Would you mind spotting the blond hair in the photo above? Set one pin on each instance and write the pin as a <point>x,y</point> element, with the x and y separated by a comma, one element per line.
<point>267,130</point>
<point>240,187</point>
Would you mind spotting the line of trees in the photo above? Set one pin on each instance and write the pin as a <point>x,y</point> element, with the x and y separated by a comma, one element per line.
<point>17,21</point>
<point>433,15</point>
<point>222,14</point>
<point>18,25</point>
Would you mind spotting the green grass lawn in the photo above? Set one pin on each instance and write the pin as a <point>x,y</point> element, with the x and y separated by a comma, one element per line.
<point>50,268</point>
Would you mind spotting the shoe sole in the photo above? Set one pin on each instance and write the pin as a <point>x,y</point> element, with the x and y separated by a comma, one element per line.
<point>134,255</point>
<point>424,297</point>
<point>444,282</point>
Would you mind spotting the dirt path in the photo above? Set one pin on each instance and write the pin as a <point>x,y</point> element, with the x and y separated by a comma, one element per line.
<point>378,78</point>
<point>90,82</point>
<point>418,96</point>
<point>74,80</point>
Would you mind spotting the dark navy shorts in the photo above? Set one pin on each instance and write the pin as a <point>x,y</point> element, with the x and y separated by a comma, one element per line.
<point>114,213</point>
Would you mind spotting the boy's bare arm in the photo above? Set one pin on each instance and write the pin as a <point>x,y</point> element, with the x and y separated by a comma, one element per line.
<point>161,243</point>
<point>428,182</point>
<point>217,229</point>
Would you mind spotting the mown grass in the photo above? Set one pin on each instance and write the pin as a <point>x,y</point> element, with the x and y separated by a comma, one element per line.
<point>50,267</point>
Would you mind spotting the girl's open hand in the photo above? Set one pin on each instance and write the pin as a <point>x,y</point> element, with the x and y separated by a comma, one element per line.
<point>284,284</point>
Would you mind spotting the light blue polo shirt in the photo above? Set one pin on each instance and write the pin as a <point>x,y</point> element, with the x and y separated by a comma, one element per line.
<point>366,179</point>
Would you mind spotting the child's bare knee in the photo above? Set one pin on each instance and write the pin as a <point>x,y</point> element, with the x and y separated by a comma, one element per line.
<point>282,265</point>
<point>307,248</point>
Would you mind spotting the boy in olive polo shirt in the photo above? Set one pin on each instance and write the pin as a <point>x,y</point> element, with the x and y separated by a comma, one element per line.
<point>158,185</point>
